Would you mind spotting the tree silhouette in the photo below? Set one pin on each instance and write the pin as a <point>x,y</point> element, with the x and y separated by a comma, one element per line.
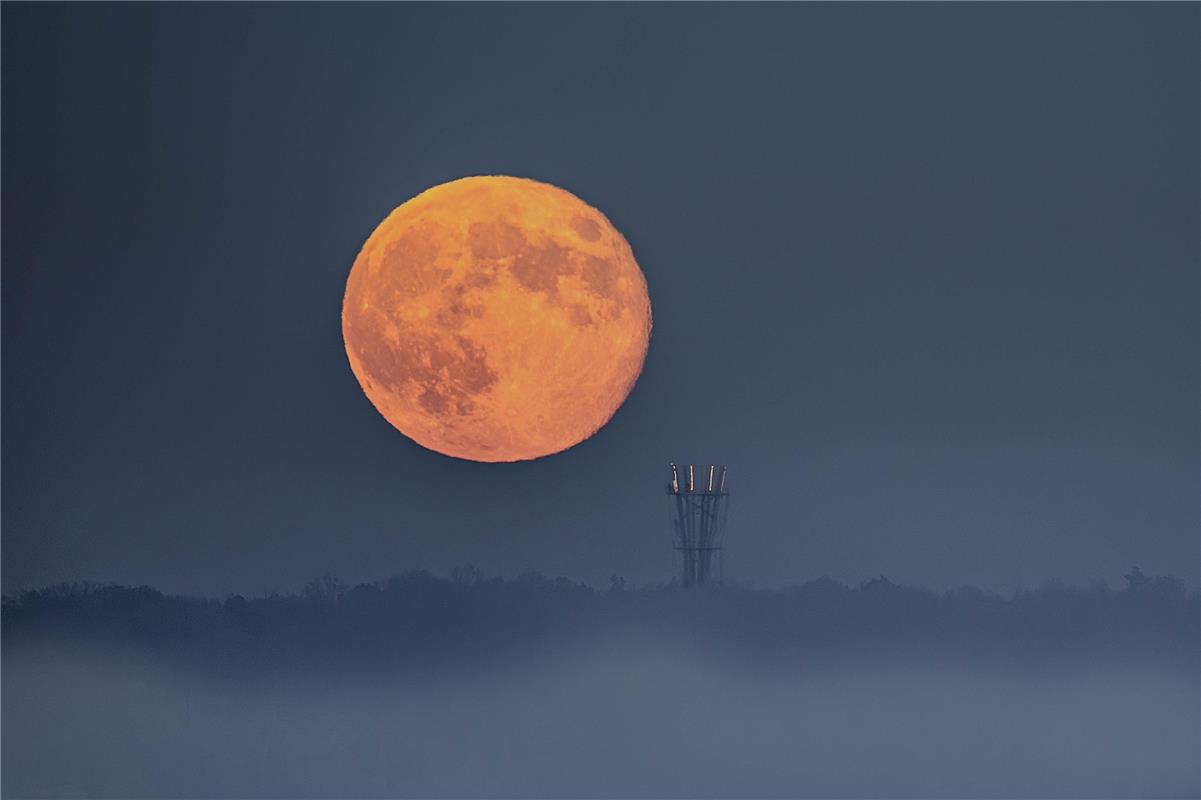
<point>419,621</point>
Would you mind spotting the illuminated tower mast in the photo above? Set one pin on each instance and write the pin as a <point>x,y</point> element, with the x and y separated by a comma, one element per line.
<point>698,519</point>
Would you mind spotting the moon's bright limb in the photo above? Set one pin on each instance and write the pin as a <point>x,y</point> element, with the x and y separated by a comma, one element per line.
<point>496,319</point>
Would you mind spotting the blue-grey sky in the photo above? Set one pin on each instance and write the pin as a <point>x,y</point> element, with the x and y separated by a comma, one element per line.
<point>925,276</point>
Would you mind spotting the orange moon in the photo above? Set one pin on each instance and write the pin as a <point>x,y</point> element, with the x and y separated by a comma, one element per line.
<point>496,319</point>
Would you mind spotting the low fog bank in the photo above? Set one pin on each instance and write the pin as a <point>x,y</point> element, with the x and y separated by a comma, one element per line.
<point>615,719</point>
<point>420,686</point>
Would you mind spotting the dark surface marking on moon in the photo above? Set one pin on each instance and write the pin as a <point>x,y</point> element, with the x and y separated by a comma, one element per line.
<point>454,378</point>
<point>600,276</point>
<point>483,276</point>
<point>451,374</point>
<point>579,316</point>
<point>432,400</point>
<point>409,263</point>
<point>457,308</point>
<point>585,228</point>
<point>495,239</point>
<point>538,269</point>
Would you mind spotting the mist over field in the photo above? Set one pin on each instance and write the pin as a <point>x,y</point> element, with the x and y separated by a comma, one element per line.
<point>535,687</point>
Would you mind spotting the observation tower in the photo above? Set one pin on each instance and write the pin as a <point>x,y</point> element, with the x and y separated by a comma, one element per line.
<point>698,521</point>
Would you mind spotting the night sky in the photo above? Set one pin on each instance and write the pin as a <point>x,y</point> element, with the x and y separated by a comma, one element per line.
<point>925,276</point>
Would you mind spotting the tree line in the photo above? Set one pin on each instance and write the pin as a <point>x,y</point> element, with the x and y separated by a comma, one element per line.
<point>417,621</point>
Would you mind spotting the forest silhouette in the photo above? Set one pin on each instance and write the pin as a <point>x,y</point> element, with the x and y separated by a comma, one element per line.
<point>417,621</point>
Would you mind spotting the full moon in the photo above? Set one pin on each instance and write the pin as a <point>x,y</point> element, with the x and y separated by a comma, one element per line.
<point>496,319</point>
